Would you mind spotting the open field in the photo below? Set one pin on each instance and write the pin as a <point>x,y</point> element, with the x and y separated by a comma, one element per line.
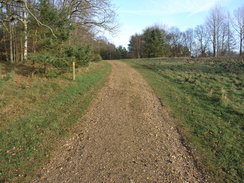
<point>207,98</point>
<point>37,112</point>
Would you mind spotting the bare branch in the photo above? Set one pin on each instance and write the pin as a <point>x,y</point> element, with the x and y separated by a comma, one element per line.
<point>38,21</point>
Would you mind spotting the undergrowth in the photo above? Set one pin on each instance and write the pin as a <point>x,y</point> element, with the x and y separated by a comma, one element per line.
<point>27,139</point>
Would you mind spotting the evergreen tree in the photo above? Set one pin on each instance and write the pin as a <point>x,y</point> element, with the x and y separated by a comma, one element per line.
<point>121,52</point>
<point>154,45</point>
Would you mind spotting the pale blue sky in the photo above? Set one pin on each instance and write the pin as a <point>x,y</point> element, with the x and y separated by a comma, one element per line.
<point>136,15</point>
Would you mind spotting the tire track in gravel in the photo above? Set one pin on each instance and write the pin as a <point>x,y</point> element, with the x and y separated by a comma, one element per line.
<point>126,136</point>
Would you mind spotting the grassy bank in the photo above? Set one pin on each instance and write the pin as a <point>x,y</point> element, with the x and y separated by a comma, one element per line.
<point>207,98</point>
<point>45,110</point>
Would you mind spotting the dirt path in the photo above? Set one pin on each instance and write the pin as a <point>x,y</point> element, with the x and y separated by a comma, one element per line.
<point>126,136</point>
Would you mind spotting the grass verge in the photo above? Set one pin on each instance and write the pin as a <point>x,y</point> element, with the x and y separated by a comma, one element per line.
<point>27,140</point>
<point>208,100</point>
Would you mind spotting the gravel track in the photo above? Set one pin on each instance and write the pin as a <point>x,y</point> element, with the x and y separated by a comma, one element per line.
<point>126,136</point>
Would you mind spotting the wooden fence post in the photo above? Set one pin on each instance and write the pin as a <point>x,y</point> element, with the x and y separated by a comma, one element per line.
<point>73,70</point>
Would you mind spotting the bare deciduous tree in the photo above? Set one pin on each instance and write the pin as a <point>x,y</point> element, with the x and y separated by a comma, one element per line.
<point>214,23</point>
<point>135,45</point>
<point>230,42</point>
<point>90,13</point>
<point>188,39</point>
<point>202,39</point>
<point>238,25</point>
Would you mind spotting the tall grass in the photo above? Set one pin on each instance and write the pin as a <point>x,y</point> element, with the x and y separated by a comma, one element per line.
<point>208,100</point>
<point>5,78</point>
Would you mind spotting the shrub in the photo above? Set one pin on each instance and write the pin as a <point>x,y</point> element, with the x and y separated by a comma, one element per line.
<point>46,44</point>
<point>69,51</point>
<point>60,60</point>
<point>97,57</point>
<point>81,54</point>
<point>47,59</point>
<point>53,73</point>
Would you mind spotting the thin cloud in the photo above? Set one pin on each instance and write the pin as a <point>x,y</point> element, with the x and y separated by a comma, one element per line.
<point>186,6</point>
<point>142,12</point>
<point>163,7</point>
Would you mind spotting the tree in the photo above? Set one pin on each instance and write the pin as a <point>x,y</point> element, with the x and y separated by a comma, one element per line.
<point>177,43</point>
<point>135,46</point>
<point>153,42</point>
<point>188,41</point>
<point>12,12</point>
<point>107,50</point>
<point>97,14</point>
<point>228,39</point>
<point>48,26</point>
<point>202,40</point>
<point>238,25</point>
<point>6,11</point>
<point>121,52</point>
<point>214,24</point>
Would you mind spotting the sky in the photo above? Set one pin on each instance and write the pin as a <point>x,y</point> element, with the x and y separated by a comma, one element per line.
<point>136,15</point>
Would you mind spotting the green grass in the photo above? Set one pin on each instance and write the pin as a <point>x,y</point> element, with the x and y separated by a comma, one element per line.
<point>207,98</point>
<point>5,78</point>
<point>27,140</point>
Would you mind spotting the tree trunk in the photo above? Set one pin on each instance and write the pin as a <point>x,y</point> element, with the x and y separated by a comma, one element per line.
<point>138,54</point>
<point>241,40</point>
<point>214,43</point>
<point>5,47</point>
<point>11,44</point>
<point>11,59</point>
<point>25,22</point>
<point>21,50</point>
<point>217,43</point>
<point>14,46</point>
<point>214,50</point>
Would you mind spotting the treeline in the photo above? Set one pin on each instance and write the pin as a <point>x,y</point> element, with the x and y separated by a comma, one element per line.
<point>110,52</point>
<point>221,35</point>
<point>55,32</point>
